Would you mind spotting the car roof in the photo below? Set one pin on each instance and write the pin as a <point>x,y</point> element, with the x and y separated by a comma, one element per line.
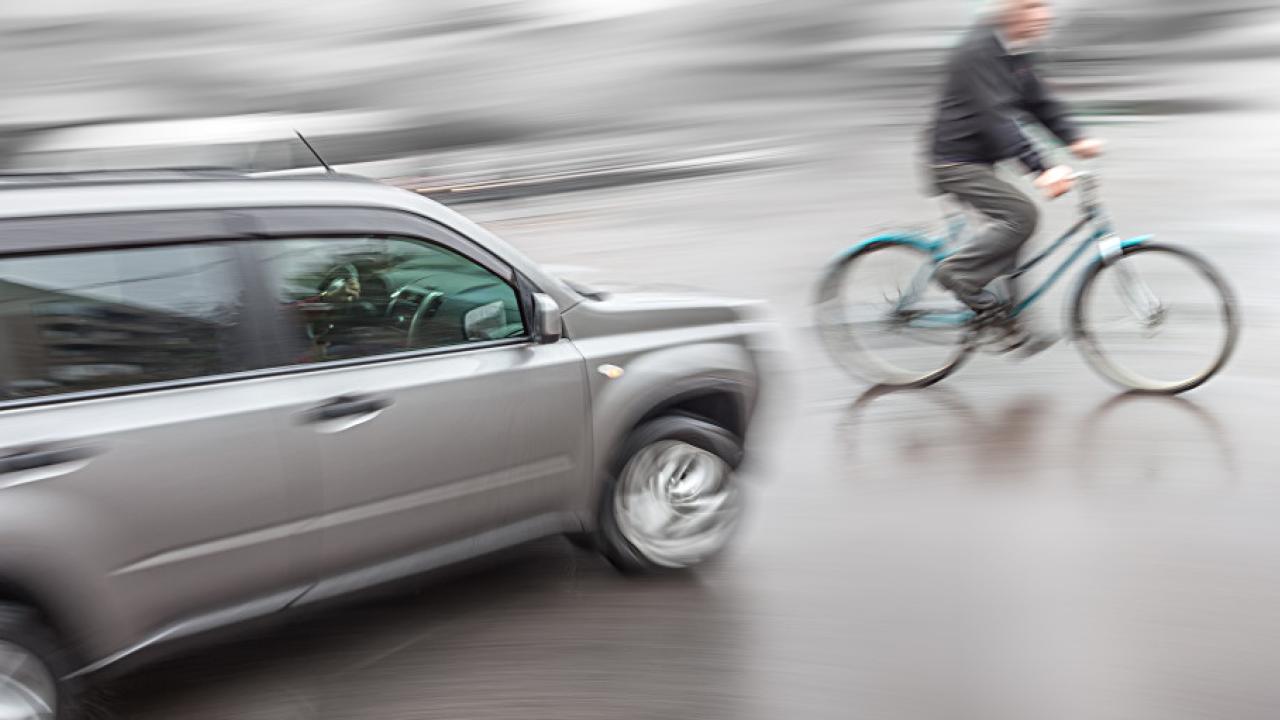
<point>54,194</point>
<point>205,131</point>
<point>266,140</point>
<point>79,194</point>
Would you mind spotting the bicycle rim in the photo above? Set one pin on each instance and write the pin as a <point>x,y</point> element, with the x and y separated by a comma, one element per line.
<point>1157,319</point>
<point>863,308</point>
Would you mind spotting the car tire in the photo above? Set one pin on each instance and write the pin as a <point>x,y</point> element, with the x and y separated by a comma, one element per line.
<point>678,469</point>
<point>32,665</point>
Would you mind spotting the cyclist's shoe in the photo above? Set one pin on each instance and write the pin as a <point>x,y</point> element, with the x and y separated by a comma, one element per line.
<point>1023,341</point>
<point>982,302</point>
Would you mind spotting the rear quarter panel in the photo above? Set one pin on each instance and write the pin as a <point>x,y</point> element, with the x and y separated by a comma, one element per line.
<point>42,559</point>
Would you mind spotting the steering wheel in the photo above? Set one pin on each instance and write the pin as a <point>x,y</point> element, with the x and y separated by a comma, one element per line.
<point>428,304</point>
<point>426,310</point>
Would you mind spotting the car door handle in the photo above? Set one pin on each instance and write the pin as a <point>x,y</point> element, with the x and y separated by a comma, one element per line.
<point>347,406</point>
<point>16,461</point>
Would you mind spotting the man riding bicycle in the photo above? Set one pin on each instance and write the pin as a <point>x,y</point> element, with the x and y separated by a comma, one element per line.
<point>991,78</point>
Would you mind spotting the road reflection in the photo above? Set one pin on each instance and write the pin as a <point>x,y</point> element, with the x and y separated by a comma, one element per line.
<point>1128,442</point>
<point>1139,439</point>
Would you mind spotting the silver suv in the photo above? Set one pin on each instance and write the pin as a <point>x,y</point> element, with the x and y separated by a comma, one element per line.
<point>222,398</point>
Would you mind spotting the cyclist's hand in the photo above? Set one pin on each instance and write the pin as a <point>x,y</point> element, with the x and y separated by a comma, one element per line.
<point>1056,181</point>
<point>1087,149</point>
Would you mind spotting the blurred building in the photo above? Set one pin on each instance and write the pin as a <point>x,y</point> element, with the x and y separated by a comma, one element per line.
<point>474,73</point>
<point>67,340</point>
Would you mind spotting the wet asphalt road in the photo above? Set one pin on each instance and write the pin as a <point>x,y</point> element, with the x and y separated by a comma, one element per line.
<point>1020,542</point>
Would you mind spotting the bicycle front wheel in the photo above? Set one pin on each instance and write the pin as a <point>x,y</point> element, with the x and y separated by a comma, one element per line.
<point>884,319</point>
<point>1156,319</point>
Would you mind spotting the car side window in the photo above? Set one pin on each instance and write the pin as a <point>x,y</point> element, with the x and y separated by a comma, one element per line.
<point>360,297</point>
<point>72,322</point>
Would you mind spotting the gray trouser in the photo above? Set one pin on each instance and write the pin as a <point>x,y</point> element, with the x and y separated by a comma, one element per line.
<point>994,250</point>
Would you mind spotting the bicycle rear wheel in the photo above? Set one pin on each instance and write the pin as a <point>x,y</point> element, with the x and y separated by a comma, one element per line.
<point>1156,319</point>
<point>884,319</point>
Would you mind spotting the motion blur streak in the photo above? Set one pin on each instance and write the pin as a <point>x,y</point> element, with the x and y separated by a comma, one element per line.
<point>1018,543</point>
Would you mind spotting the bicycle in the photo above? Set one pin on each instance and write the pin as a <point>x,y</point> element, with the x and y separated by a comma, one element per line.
<point>1130,296</point>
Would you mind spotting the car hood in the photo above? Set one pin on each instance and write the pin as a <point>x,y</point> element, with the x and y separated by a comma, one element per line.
<point>613,308</point>
<point>594,285</point>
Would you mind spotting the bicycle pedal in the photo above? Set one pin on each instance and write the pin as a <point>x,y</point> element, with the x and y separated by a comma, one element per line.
<point>990,319</point>
<point>1019,341</point>
<point>996,335</point>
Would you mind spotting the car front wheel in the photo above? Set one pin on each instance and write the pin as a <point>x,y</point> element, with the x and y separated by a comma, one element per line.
<point>672,501</point>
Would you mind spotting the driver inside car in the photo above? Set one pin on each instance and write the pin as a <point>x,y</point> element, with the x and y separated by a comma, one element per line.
<point>341,289</point>
<point>334,307</point>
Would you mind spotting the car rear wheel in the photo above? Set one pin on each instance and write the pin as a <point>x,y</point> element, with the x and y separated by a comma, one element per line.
<point>673,501</point>
<point>30,669</point>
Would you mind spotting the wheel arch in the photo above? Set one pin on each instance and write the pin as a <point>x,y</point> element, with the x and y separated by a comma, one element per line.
<point>17,589</point>
<point>713,381</point>
<point>720,403</point>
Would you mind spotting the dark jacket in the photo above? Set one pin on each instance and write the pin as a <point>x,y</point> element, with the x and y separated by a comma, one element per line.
<point>986,88</point>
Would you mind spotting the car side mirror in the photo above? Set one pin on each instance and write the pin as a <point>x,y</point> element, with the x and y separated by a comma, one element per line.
<point>485,322</point>
<point>547,326</point>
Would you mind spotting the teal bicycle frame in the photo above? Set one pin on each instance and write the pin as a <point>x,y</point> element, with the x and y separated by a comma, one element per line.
<point>940,248</point>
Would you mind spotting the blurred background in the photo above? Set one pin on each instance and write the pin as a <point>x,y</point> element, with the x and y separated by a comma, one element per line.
<point>436,86</point>
<point>1018,543</point>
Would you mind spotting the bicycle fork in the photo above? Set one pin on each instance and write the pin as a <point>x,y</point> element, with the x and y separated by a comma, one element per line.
<point>1138,298</point>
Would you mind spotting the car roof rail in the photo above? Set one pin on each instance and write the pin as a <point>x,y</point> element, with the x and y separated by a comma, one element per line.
<point>131,175</point>
<point>25,180</point>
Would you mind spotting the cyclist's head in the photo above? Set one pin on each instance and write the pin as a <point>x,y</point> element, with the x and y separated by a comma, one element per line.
<point>1024,21</point>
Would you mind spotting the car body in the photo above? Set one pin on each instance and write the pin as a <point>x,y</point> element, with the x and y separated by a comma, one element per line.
<point>223,397</point>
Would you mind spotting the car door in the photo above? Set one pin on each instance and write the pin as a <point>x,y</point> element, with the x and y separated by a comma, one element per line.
<point>140,448</point>
<point>441,427</point>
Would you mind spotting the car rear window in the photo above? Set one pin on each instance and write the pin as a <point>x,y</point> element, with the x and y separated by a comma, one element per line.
<point>106,319</point>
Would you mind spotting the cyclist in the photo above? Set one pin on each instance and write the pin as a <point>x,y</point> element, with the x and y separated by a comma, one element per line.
<point>991,78</point>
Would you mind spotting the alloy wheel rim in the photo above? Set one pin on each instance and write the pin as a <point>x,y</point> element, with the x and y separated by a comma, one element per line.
<point>28,690</point>
<point>677,503</point>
